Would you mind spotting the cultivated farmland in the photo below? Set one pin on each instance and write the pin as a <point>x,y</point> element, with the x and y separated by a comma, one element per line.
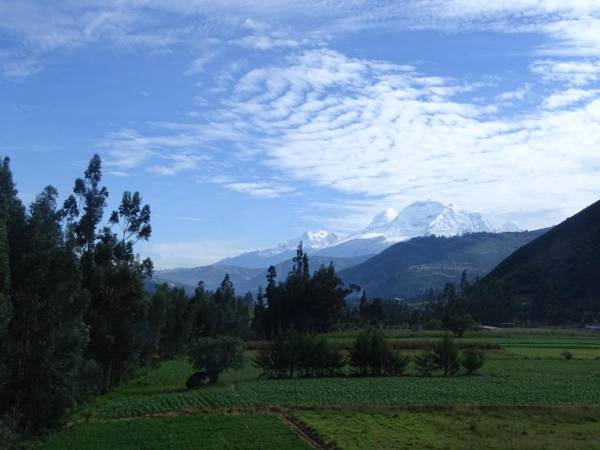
<point>527,388</point>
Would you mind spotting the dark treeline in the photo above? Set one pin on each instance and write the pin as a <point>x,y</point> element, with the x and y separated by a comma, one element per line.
<point>458,307</point>
<point>74,319</point>
<point>303,302</point>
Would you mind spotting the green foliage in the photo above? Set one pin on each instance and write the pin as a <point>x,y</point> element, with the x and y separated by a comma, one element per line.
<point>214,355</point>
<point>409,269</point>
<point>306,356</point>
<point>472,361</point>
<point>72,309</point>
<point>305,303</point>
<point>424,363</point>
<point>446,356</point>
<point>372,355</point>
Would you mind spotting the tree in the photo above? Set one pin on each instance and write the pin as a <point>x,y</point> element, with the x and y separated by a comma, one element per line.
<point>214,355</point>
<point>446,356</point>
<point>46,333</point>
<point>472,360</point>
<point>424,363</point>
<point>258,319</point>
<point>372,355</point>
<point>327,293</point>
<point>112,274</point>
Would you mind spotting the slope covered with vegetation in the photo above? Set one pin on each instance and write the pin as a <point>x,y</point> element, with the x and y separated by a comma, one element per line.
<point>556,276</point>
<point>412,268</point>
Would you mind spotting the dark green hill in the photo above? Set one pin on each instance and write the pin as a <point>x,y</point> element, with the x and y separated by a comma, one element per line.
<point>409,269</point>
<point>557,276</point>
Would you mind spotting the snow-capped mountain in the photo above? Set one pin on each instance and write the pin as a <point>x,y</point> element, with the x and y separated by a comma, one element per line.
<point>312,242</point>
<point>428,218</point>
<point>425,218</point>
<point>508,227</point>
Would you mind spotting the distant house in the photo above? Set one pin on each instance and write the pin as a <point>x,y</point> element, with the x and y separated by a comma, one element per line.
<point>594,327</point>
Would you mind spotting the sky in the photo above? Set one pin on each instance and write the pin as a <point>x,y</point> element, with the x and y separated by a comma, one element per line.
<point>245,123</point>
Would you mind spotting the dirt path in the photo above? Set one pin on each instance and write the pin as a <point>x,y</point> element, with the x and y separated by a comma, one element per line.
<point>305,432</point>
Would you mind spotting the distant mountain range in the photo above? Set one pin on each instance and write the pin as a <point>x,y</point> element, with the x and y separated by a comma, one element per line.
<point>425,218</point>
<point>408,267</point>
<point>411,268</point>
<point>552,274</point>
<point>312,241</point>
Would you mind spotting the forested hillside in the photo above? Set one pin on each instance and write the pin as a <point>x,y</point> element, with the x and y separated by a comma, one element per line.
<point>556,277</point>
<point>414,267</point>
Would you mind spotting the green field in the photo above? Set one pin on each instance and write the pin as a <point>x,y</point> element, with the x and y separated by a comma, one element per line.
<point>525,386</point>
<point>181,433</point>
<point>460,428</point>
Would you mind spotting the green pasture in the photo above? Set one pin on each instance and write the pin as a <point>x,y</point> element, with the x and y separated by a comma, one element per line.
<point>527,396</point>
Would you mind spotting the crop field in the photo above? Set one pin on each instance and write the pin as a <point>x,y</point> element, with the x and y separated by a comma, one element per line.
<point>181,433</point>
<point>526,387</point>
<point>460,428</point>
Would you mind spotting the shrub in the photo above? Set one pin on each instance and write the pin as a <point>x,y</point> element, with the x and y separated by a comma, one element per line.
<point>446,356</point>
<point>567,354</point>
<point>372,355</point>
<point>305,356</point>
<point>424,363</point>
<point>214,355</point>
<point>472,360</point>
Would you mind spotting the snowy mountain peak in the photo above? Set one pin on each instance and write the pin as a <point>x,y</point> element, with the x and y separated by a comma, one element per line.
<point>311,240</point>
<point>383,218</point>
<point>508,227</point>
<point>423,218</point>
<point>318,239</point>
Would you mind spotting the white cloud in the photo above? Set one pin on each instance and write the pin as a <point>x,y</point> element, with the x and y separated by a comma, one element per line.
<point>169,155</point>
<point>568,97</point>
<point>260,189</point>
<point>362,127</point>
<point>177,163</point>
<point>576,73</point>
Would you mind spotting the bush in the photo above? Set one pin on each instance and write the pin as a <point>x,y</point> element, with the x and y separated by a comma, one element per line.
<point>214,355</point>
<point>472,360</point>
<point>424,363</point>
<point>446,356</point>
<point>304,356</point>
<point>567,354</point>
<point>372,355</point>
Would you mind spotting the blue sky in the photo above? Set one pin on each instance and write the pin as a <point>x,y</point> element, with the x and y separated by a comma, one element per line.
<point>246,123</point>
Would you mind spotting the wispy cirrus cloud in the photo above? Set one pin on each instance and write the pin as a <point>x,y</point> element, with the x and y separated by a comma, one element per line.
<point>568,97</point>
<point>260,189</point>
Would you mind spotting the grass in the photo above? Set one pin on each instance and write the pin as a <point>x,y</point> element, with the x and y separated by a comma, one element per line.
<point>457,429</point>
<point>525,386</point>
<point>262,432</point>
<point>507,379</point>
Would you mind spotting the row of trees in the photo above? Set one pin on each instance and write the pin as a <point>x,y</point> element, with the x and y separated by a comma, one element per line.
<point>371,354</point>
